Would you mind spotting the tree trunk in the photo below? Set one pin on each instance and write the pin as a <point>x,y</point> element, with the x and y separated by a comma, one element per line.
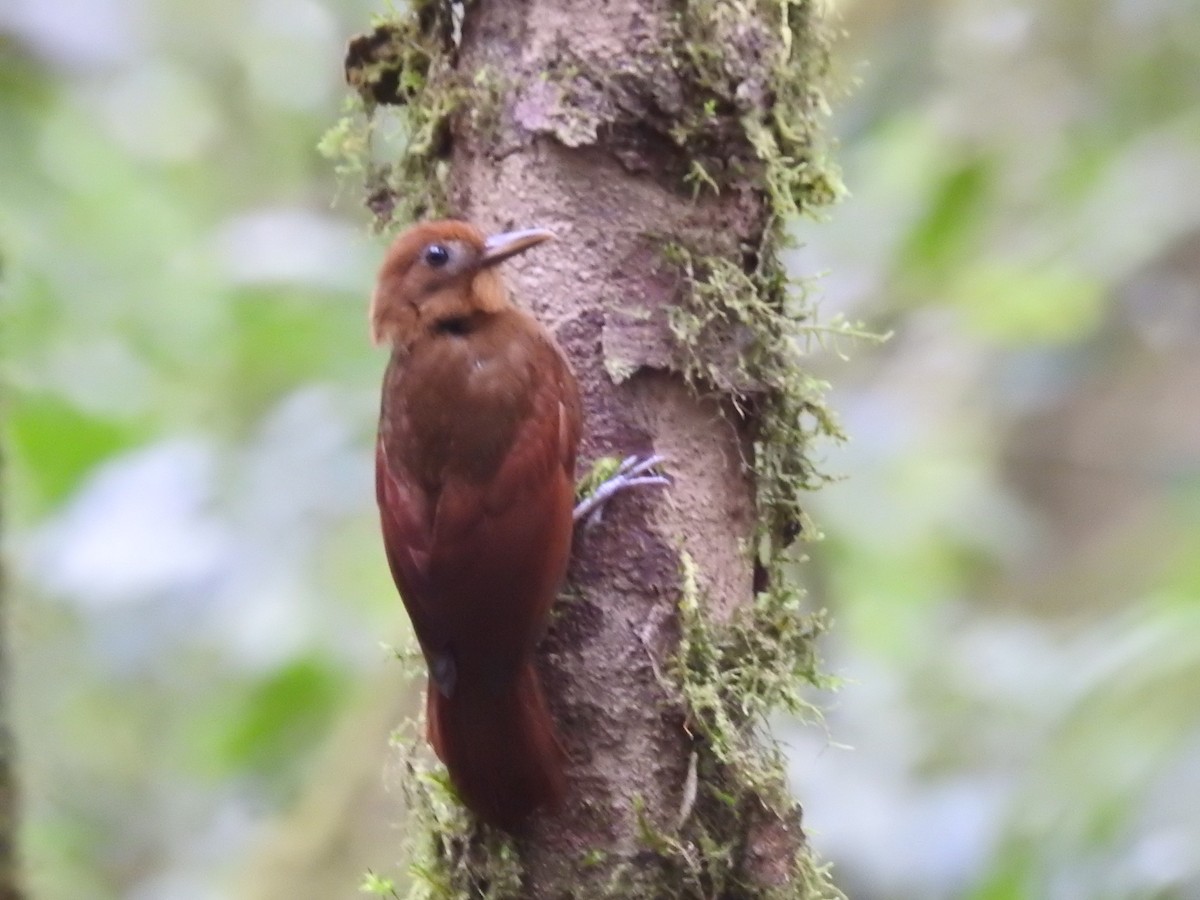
<point>664,142</point>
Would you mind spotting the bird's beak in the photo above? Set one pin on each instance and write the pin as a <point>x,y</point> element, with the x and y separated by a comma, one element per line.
<point>500,247</point>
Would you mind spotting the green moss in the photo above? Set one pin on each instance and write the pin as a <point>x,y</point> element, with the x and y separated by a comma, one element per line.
<point>734,675</point>
<point>602,469</point>
<point>395,131</point>
<point>731,677</point>
<point>484,103</point>
<point>449,853</point>
<point>740,331</point>
<point>378,885</point>
<point>756,70</point>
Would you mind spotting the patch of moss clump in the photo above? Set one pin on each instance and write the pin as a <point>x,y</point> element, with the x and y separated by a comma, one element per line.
<point>395,132</point>
<point>448,852</point>
<point>739,331</point>
<point>734,675</point>
<point>731,677</point>
<point>756,72</point>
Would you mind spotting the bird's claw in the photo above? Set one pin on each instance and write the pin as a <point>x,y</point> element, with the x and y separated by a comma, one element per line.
<point>634,471</point>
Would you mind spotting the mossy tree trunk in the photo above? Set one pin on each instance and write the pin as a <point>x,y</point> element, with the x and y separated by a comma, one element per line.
<point>666,143</point>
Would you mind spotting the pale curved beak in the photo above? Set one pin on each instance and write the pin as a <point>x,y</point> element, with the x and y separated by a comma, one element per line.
<point>500,247</point>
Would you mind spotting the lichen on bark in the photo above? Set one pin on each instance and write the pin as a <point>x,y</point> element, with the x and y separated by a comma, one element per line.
<point>670,143</point>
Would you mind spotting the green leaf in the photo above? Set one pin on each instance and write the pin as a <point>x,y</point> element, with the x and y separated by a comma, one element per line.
<point>284,337</point>
<point>56,445</point>
<point>286,713</point>
<point>1023,305</point>
<point>952,221</point>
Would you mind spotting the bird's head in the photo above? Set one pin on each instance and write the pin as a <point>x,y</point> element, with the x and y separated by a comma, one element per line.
<point>440,272</point>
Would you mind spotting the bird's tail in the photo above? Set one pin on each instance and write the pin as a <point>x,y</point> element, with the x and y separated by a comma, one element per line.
<point>501,749</point>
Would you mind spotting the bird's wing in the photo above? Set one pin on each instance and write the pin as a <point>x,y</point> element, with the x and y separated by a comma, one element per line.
<point>404,513</point>
<point>482,560</point>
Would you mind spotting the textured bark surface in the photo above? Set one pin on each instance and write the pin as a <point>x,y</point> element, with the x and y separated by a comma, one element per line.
<point>624,732</point>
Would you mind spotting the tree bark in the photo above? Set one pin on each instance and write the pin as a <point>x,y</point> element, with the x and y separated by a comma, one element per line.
<point>623,730</point>
<point>632,129</point>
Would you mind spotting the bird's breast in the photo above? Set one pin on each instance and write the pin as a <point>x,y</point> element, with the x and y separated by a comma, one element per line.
<point>454,406</point>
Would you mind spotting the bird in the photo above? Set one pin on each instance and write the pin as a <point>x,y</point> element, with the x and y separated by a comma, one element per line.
<point>479,431</point>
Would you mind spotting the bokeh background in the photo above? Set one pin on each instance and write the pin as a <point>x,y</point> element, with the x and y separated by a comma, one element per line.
<point>198,607</point>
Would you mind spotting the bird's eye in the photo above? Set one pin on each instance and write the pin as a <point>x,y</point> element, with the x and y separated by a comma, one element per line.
<point>436,255</point>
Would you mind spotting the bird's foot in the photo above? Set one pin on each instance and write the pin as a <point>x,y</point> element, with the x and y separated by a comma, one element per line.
<point>633,471</point>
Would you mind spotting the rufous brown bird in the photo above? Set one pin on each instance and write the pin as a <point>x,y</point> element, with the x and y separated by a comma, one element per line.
<point>475,467</point>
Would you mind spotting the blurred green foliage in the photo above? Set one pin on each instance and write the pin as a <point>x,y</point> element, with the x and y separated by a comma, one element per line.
<point>198,593</point>
<point>62,443</point>
<point>288,709</point>
<point>188,395</point>
<point>1011,562</point>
